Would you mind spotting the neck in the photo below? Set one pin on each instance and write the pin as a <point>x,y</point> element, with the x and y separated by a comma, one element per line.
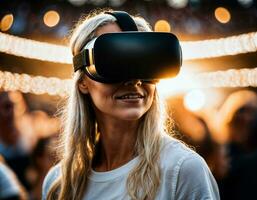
<point>117,143</point>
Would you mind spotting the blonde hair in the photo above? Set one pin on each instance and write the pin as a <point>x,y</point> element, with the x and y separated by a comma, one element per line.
<point>79,129</point>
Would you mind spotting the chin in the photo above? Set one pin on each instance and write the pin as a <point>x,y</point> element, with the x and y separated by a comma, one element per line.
<point>131,116</point>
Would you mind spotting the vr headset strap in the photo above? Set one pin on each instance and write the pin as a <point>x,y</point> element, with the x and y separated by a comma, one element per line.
<point>81,60</point>
<point>125,22</point>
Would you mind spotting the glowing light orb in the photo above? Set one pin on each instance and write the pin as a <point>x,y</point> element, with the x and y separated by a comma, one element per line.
<point>162,26</point>
<point>6,22</point>
<point>51,18</point>
<point>222,15</point>
<point>177,4</point>
<point>194,100</point>
<point>246,3</point>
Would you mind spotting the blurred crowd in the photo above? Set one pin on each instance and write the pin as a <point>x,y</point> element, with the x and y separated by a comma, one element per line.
<point>28,139</point>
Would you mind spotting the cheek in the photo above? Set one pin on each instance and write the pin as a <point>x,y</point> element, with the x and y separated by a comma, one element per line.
<point>100,95</point>
<point>151,89</point>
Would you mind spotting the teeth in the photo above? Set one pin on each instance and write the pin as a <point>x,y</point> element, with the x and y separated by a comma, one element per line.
<point>130,97</point>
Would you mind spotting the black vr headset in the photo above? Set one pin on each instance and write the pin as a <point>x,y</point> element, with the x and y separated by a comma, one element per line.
<point>118,57</point>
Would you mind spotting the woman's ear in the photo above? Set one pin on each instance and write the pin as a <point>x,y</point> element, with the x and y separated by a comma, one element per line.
<point>83,86</point>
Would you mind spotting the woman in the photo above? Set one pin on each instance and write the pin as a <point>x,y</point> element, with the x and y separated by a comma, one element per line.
<point>115,144</point>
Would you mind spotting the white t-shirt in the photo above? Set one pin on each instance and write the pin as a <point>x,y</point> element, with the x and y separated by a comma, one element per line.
<point>184,176</point>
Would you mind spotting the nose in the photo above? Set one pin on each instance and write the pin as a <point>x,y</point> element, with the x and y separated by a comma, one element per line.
<point>134,82</point>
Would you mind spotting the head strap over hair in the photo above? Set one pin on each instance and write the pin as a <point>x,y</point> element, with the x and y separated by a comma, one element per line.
<point>124,20</point>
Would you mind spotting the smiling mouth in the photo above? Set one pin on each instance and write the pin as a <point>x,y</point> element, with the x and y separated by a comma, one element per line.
<point>131,96</point>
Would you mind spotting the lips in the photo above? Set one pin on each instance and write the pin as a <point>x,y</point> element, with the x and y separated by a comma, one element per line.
<point>130,96</point>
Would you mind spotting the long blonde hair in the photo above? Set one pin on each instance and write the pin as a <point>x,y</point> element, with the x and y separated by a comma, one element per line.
<point>79,129</point>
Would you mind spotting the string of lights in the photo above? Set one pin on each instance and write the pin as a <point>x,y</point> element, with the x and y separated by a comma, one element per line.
<point>233,45</point>
<point>36,85</point>
<point>27,48</point>
<point>34,49</point>
<point>227,78</point>
<point>55,86</point>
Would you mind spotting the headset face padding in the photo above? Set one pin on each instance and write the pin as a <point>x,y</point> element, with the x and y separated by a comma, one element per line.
<point>117,57</point>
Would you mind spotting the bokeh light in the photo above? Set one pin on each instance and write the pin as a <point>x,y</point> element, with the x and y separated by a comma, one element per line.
<point>179,84</point>
<point>6,22</point>
<point>245,3</point>
<point>177,4</point>
<point>51,18</point>
<point>194,100</point>
<point>77,2</point>
<point>162,26</point>
<point>116,3</point>
<point>222,15</point>
<point>98,2</point>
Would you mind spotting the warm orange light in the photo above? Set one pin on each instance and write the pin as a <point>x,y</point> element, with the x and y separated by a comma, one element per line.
<point>162,26</point>
<point>51,18</point>
<point>222,15</point>
<point>6,22</point>
<point>194,100</point>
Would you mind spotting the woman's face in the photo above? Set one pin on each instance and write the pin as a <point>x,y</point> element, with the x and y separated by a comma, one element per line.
<point>125,101</point>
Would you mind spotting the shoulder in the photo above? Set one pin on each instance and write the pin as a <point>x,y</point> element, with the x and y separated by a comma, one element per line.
<point>174,151</point>
<point>174,154</point>
<point>51,176</point>
<point>190,173</point>
<point>195,180</point>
